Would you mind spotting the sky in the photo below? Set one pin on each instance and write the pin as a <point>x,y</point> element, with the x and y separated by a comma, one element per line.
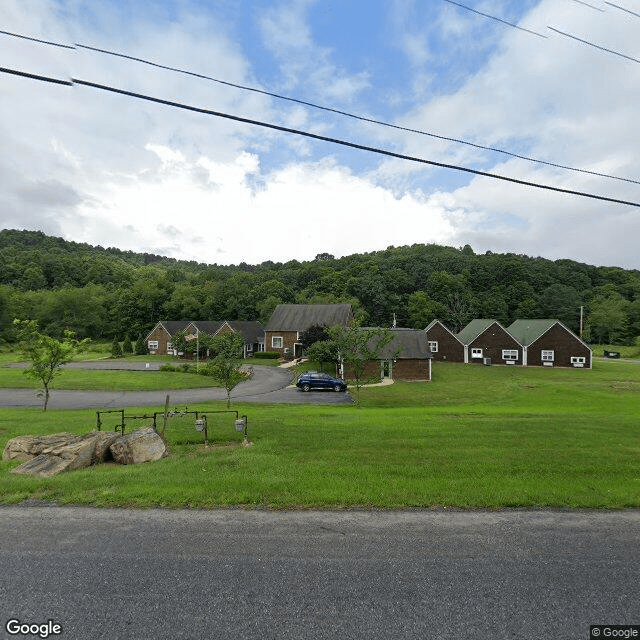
<point>496,87</point>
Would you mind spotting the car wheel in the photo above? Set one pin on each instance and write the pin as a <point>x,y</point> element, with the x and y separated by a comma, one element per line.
<point>305,387</point>
<point>337,388</point>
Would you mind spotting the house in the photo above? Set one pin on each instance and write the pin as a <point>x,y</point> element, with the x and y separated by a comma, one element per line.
<point>251,331</point>
<point>443,343</point>
<point>549,343</point>
<point>485,339</point>
<point>159,339</point>
<point>288,321</point>
<point>407,357</point>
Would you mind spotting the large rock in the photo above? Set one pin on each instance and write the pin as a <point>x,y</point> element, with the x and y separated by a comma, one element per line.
<point>43,466</point>
<point>30,447</point>
<point>141,445</point>
<point>50,455</point>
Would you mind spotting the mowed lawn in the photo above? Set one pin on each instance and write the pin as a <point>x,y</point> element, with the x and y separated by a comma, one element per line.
<point>475,437</point>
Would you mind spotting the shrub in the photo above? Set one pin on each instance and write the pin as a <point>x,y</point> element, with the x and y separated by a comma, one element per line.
<point>266,355</point>
<point>116,349</point>
<point>127,346</point>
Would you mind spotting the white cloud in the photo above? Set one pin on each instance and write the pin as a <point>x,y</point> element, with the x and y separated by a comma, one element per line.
<point>114,171</point>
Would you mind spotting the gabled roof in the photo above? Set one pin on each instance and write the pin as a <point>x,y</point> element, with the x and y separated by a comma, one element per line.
<point>299,317</point>
<point>251,331</point>
<point>474,329</point>
<point>209,327</point>
<point>528,331</point>
<point>171,326</point>
<point>407,344</point>
<point>433,323</point>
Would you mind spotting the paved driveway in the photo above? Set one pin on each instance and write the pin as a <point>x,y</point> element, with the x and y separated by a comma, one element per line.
<point>267,385</point>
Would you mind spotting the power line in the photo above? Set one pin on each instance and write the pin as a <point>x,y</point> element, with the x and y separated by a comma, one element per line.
<point>338,111</point>
<point>617,6</point>
<point>23,37</point>
<point>586,4</point>
<point>486,15</point>
<point>596,46</point>
<point>307,134</point>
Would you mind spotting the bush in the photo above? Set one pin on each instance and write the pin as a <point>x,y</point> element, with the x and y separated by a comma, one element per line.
<point>266,355</point>
<point>127,346</point>
<point>116,349</point>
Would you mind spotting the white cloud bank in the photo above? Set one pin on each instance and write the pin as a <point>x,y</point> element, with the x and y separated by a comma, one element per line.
<point>113,171</point>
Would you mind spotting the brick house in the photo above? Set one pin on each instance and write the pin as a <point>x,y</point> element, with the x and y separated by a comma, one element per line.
<point>485,338</point>
<point>548,343</point>
<point>406,357</point>
<point>288,321</point>
<point>443,343</point>
<point>159,339</point>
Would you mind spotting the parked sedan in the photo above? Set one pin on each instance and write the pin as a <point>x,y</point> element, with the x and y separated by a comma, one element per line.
<point>313,380</point>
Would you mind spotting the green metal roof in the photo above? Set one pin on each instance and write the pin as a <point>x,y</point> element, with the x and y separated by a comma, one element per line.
<point>474,329</point>
<point>528,331</point>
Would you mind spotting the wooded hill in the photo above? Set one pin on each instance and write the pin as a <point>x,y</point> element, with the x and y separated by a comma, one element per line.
<point>102,293</point>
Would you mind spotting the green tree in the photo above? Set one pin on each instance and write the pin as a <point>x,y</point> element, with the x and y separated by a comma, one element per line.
<point>127,347</point>
<point>226,365</point>
<point>423,309</point>
<point>116,348</point>
<point>46,355</point>
<point>608,320</point>
<point>356,347</point>
<point>140,348</point>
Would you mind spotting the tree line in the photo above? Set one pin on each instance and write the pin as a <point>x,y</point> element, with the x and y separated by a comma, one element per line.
<point>107,293</point>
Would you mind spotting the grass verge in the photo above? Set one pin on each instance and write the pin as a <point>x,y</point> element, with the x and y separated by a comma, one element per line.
<point>476,437</point>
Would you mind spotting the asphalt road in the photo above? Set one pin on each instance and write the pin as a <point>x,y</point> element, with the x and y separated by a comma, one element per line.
<point>268,384</point>
<point>122,574</point>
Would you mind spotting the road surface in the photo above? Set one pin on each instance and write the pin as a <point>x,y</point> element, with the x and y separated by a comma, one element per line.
<point>120,574</point>
<point>267,384</point>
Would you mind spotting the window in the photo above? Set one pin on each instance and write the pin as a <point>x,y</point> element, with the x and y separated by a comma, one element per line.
<point>153,345</point>
<point>276,342</point>
<point>509,354</point>
<point>249,347</point>
<point>433,346</point>
<point>578,361</point>
<point>547,356</point>
<point>476,353</point>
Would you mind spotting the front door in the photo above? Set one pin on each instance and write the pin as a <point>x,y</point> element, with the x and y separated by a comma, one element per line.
<point>386,369</point>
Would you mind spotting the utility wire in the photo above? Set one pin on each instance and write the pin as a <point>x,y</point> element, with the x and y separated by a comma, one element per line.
<point>596,46</point>
<point>53,44</point>
<point>353,145</point>
<point>486,15</point>
<point>586,4</point>
<point>339,112</point>
<point>617,6</point>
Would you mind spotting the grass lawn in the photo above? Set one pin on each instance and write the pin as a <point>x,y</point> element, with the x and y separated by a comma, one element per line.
<point>475,437</point>
<point>96,380</point>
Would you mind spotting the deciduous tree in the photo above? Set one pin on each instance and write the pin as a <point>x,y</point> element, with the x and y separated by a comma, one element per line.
<point>46,355</point>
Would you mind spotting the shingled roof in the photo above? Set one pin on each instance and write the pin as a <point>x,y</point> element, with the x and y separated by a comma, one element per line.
<point>299,317</point>
<point>407,344</point>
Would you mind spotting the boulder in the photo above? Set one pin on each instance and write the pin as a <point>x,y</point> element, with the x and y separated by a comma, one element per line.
<point>43,466</point>
<point>60,452</point>
<point>103,440</point>
<point>141,445</point>
<point>30,447</point>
